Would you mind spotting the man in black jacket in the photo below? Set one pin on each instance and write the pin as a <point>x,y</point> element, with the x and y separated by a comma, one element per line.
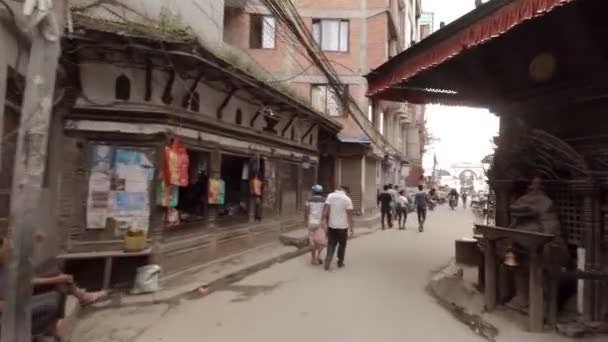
<point>385,199</point>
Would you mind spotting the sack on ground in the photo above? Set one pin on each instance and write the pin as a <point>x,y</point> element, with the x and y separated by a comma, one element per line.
<point>146,279</point>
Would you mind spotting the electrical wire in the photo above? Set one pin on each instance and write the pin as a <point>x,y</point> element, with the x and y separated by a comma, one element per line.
<point>286,12</point>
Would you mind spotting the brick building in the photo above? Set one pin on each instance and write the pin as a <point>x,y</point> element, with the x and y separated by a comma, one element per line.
<point>380,140</point>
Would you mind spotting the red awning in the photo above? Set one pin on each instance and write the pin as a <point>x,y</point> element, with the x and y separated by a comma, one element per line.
<point>408,65</point>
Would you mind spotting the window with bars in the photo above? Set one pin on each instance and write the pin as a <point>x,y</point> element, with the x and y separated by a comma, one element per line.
<point>325,99</point>
<point>262,33</point>
<point>331,34</point>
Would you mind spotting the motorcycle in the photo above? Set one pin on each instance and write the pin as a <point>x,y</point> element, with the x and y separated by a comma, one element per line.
<point>453,202</point>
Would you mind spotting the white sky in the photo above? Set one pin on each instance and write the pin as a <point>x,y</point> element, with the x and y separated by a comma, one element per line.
<point>465,133</point>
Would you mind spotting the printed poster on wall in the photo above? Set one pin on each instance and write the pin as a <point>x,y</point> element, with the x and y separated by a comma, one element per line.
<point>119,189</point>
<point>130,193</point>
<point>217,191</point>
<point>101,158</point>
<point>98,201</point>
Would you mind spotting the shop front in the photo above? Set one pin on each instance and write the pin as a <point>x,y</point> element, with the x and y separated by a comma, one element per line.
<point>200,159</point>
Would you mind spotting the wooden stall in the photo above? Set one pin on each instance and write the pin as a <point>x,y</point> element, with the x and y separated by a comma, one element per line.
<point>247,152</point>
<point>541,67</point>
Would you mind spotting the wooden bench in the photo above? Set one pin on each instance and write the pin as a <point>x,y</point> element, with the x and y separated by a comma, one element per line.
<point>491,234</point>
<point>108,256</point>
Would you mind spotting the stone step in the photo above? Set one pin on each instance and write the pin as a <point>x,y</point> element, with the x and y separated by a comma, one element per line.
<point>297,238</point>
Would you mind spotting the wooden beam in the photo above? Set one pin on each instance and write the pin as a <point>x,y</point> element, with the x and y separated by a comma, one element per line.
<point>222,106</point>
<point>167,97</point>
<point>309,130</point>
<point>255,117</point>
<point>188,96</point>
<point>293,117</point>
<point>148,85</point>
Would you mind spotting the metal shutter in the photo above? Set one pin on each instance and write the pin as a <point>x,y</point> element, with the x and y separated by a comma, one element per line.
<point>351,177</point>
<point>371,188</point>
<point>289,189</point>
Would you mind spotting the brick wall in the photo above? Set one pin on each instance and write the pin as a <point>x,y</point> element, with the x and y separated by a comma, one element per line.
<point>416,176</point>
<point>331,4</point>
<point>377,40</point>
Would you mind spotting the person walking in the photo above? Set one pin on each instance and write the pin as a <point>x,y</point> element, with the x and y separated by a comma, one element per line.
<point>422,199</point>
<point>395,195</point>
<point>402,203</point>
<point>385,199</point>
<point>338,218</point>
<point>464,199</point>
<point>313,213</point>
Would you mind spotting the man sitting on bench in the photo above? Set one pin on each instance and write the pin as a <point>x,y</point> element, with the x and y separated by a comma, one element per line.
<point>47,306</point>
<point>49,277</point>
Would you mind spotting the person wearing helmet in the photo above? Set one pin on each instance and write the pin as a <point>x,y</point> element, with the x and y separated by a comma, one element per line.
<point>312,217</point>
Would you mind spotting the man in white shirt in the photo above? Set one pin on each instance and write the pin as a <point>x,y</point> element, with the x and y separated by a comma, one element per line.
<point>338,217</point>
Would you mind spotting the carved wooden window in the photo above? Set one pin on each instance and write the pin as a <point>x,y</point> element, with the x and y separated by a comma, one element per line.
<point>123,88</point>
<point>238,119</point>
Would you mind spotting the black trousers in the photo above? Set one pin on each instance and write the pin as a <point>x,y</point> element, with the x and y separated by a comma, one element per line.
<point>336,237</point>
<point>386,214</point>
<point>421,216</point>
<point>401,216</point>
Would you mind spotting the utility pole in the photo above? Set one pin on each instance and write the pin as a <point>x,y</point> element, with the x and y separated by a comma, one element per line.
<point>30,162</point>
<point>434,169</point>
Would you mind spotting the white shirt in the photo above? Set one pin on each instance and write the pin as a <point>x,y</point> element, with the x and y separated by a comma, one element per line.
<point>338,203</point>
<point>394,194</point>
<point>402,200</point>
<point>315,211</point>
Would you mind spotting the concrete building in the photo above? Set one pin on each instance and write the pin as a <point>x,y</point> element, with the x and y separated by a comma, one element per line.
<point>381,139</point>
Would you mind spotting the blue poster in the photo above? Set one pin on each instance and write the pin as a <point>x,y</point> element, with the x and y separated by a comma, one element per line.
<point>127,157</point>
<point>129,201</point>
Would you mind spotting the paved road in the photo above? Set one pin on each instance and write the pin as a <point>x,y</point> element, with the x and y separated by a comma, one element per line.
<point>379,296</point>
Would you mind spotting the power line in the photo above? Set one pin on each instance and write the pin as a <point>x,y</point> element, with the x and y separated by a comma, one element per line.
<point>286,11</point>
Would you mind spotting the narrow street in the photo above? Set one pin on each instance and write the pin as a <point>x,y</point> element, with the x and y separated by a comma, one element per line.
<point>379,296</point>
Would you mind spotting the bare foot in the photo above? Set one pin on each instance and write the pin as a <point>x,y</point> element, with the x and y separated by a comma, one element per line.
<point>93,297</point>
<point>64,328</point>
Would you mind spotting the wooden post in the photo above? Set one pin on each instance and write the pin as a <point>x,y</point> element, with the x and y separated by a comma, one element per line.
<point>30,163</point>
<point>537,298</point>
<point>490,274</point>
<point>588,300</point>
<point>553,299</point>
